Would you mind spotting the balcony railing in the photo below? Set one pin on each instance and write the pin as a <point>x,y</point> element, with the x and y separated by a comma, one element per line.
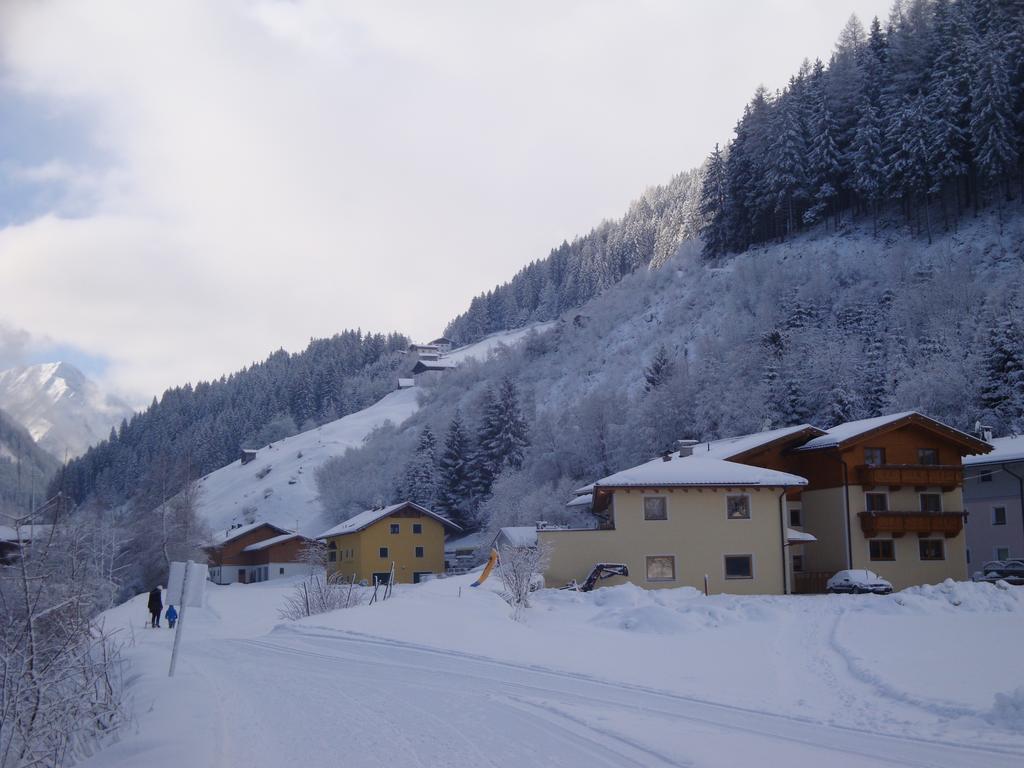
<point>949,524</point>
<point>947,476</point>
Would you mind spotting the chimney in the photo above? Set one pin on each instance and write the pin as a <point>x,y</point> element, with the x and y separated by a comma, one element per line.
<point>983,432</point>
<point>686,447</point>
<point>666,455</point>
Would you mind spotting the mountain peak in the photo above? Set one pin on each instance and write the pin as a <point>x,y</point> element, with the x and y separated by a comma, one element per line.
<point>62,408</point>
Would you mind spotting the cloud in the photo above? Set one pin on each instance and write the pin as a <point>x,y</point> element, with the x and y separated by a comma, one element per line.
<point>268,171</point>
<point>13,346</point>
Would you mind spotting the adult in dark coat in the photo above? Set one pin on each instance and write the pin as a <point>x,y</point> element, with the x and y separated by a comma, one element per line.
<point>156,604</point>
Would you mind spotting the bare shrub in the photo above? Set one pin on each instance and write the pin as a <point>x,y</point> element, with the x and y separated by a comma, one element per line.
<point>319,594</point>
<point>519,568</point>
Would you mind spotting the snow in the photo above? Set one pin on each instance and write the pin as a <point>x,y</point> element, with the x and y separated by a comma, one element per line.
<point>441,675</point>
<point>520,535</point>
<point>1005,449</point>
<point>698,470</point>
<point>224,536</point>
<point>728,447</point>
<point>481,349</point>
<point>794,535</point>
<point>270,542</point>
<point>63,410</point>
<point>371,516</point>
<point>850,429</point>
<point>28,533</point>
<point>583,500</point>
<point>287,495</point>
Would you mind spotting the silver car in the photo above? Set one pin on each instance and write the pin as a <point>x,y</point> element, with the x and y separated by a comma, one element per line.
<point>858,581</point>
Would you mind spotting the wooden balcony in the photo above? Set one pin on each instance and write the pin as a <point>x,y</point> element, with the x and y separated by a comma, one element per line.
<point>947,476</point>
<point>949,524</point>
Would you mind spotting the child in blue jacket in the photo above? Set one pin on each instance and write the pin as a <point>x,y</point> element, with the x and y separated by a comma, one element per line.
<point>171,616</point>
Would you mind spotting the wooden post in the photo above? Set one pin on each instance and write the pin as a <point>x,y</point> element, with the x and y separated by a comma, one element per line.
<point>705,585</point>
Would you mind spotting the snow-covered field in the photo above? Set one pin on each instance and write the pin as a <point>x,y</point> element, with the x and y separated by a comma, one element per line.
<point>279,485</point>
<point>441,675</point>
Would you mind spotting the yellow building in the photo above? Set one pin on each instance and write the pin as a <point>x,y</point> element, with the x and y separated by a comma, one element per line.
<point>675,521</point>
<point>405,535</point>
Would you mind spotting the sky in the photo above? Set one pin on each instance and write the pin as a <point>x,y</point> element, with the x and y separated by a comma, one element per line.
<point>186,186</point>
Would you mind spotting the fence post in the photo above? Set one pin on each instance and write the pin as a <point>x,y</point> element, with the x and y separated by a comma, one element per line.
<point>705,585</point>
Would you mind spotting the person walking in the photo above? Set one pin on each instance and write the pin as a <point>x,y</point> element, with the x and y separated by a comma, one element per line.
<point>171,616</point>
<point>156,605</point>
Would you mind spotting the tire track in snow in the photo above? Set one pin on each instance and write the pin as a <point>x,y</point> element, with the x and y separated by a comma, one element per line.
<point>889,749</point>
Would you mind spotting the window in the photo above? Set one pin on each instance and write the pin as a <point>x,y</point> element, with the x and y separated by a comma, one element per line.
<point>931,502</point>
<point>739,566</point>
<point>882,549</point>
<point>932,549</point>
<point>968,550</point>
<point>655,508</point>
<point>874,457</point>
<point>1002,553</point>
<point>383,551</point>
<point>928,456</point>
<point>795,517</point>
<point>986,476</point>
<point>998,515</point>
<point>417,527</point>
<point>876,502</point>
<point>394,528</point>
<point>332,555</point>
<point>737,507</point>
<point>419,551</point>
<point>280,571</point>
<point>661,568</point>
<point>798,563</point>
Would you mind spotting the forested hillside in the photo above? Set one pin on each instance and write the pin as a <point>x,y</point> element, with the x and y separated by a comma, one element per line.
<point>649,233</point>
<point>922,116</point>
<point>193,430</point>
<point>917,121</point>
<point>821,329</point>
<point>25,468</point>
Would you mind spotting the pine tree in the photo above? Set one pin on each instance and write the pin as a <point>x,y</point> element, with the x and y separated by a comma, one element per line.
<point>659,371</point>
<point>420,481</point>
<point>824,162</point>
<point>507,436</point>
<point>713,206</point>
<point>788,174</point>
<point>1002,375</point>
<point>992,117</point>
<point>455,494</point>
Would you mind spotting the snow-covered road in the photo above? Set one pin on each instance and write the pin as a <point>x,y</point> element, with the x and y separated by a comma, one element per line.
<point>441,677</point>
<point>298,698</point>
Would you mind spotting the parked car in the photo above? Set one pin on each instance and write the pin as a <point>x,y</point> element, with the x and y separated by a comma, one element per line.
<point>1010,571</point>
<point>858,581</point>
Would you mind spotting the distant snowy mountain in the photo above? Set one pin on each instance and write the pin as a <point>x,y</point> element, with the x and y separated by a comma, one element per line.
<point>25,468</point>
<point>63,410</point>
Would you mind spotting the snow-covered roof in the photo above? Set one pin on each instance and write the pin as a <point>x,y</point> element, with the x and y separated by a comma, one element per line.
<point>441,340</point>
<point>223,537</point>
<point>697,470</point>
<point>271,542</point>
<point>1004,449</point>
<point>10,534</point>
<point>518,535</point>
<point>794,535</point>
<point>728,447</point>
<point>470,541</point>
<point>589,488</point>
<point>850,429</point>
<point>442,364</point>
<point>371,516</point>
<point>404,383</point>
<point>583,500</point>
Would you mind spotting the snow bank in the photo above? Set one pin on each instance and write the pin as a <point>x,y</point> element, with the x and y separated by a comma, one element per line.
<point>1008,710</point>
